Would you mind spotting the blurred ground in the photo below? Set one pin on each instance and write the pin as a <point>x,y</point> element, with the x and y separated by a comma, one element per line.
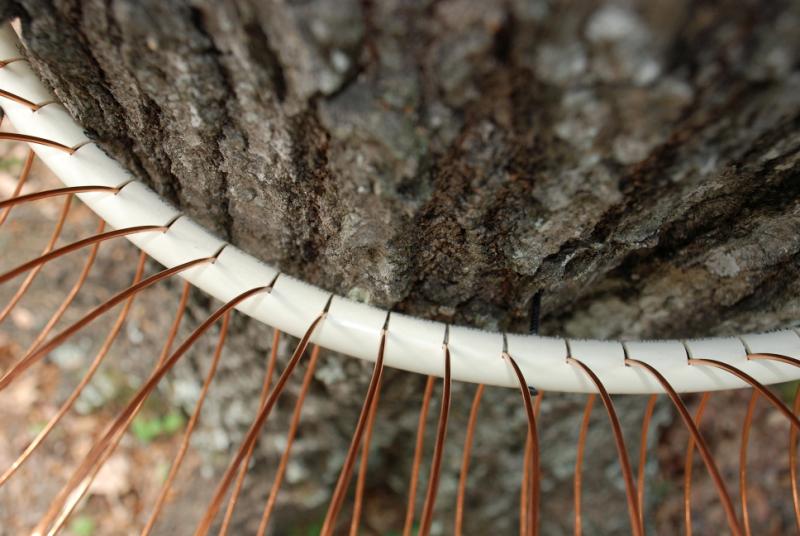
<point>125,490</point>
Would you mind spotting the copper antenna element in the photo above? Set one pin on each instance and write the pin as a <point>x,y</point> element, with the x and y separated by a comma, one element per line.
<point>342,483</point>
<point>619,440</point>
<point>70,297</point>
<point>67,405</point>
<point>55,192</point>
<point>462,479</point>
<point>13,136</point>
<point>19,100</point>
<point>705,453</point>
<point>687,468</point>
<point>436,462</point>
<point>774,400</point>
<point>190,426</point>
<point>293,425</point>
<point>532,510</point>
<point>648,415</point>
<point>237,486</point>
<point>44,259</point>
<point>29,359</point>
<point>26,283</point>
<point>8,61</point>
<point>123,419</point>
<point>748,422</point>
<point>258,423</point>
<point>362,468</point>
<point>527,473</point>
<point>23,178</point>
<point>165,350</point>
<point>418,451</point>
<point>587,414</point>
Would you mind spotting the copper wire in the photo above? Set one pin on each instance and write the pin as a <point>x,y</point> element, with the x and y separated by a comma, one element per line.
<point>362,468</point>
<point>74,246</point>
<point>293,426</point>
<point>687,469</point>
<point>255,428</point>
<point>9,61</point>
<point>462,479</point>
<point>73,397</point>
<point>531,514</point>
<point>23,178</point>
<point>19,100</point>
<point>29,359</point>
<point>28,281</point>
<point>56,192</point>
<point>70,297</point>
<point>577,482</point>
<point>619,440</point>
<point>165,350</point>
<point>748,423</point>
<point>14,136</point>
<point>100,447</point>
<point>774,400</point>
<point>426,517</point>
<point>237,486</point>
<point>342,483</point>
<point>418,452</point>
<point>190,426</point>
<point>705,453</point>
<point>648,415</point>
<point>525,487</point>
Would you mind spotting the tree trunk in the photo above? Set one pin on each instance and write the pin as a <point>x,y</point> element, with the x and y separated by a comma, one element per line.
<point>637,162</point>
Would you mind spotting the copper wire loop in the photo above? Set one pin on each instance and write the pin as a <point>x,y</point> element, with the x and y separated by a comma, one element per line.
<point>462,479</point>
<point>577,478</point>
<point>18,200</point>
<point>625,464</point>
<point>648,415</point>
<point>14,136</point>
<point>705,453</point>
<point>418,452</point>
<point>687,468</point>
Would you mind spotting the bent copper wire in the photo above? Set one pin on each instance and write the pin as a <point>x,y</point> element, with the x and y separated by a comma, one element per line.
<point>748,422</point>
<point>587,414</point>
<point>9,61</point>
<point>6,204</point>
<point>293,425</point>
<point>165,350</point>
<point>74,246</point>
<point>190,426</point>
<point>100,447</point>
<point>687,468</point>
<point>14,136</point>
<point>705,453</point>
<point>648,415</point>
<point>258,423</point>
<point>417,461</point>
<point>619,440</point>
<point>23,178</point>
<point>438,448</point>
<point>342,483</point>
<point>527,473</point>
<point>26,283</point>
<point>43,349</point>
<point>67,405</point>
<point>774,400</point>
<point>237,487</point>
<point>462,479</point>
<point>70,297</point>
<point>532,481</point>
<point>362,468</point>
<point>19,100</point>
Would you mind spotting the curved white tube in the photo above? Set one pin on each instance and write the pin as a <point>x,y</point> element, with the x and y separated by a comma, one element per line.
<point>354,328</point>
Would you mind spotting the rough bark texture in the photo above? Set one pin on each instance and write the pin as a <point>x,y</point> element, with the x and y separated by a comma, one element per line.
<point>636,161</point>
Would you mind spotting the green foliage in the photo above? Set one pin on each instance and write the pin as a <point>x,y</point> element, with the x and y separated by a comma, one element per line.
<point>82,526</point>
<point>147,429</point>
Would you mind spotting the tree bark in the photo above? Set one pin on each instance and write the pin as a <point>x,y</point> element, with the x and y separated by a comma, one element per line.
<point>637,162</point>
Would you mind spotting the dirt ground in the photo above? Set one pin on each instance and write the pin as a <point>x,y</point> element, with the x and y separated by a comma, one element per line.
<point>123,493</point>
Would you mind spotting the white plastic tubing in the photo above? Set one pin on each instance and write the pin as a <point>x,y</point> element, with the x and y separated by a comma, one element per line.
<point>355,329</point>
